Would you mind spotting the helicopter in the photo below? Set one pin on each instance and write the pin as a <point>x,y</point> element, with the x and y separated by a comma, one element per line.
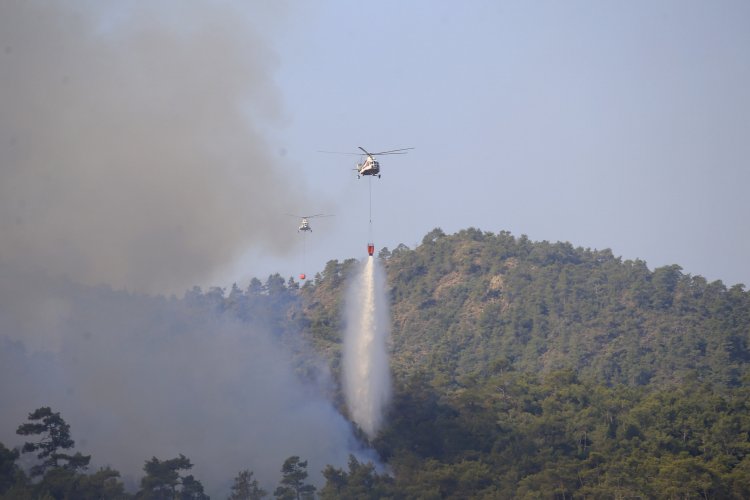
<point>371,166</point>
<point>304,224</point>
<point>304,227</point>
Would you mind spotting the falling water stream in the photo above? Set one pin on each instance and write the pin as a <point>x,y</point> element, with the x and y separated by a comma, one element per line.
<point>367,383</point>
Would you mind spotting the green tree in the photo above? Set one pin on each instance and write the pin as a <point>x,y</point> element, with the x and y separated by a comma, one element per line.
<point>163,477</point>
<point>104,483</point>
<point>255,287</point>
<point>57,483</point>
<point>686,477</point>
<point>432,236</point>
<point>740,478</point>
<point>54,435</point>
<point>292,486</point>
<point>361,482</point>
<point>192,489</point>
<point>246,488</point>
<point>66,484</point>
<point>275,285</point>
<point>10,473</point>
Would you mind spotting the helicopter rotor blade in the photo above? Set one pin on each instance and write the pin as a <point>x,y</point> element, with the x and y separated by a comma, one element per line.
<point>401,151</point>
<point>306,216</point>
<point>339,153</point>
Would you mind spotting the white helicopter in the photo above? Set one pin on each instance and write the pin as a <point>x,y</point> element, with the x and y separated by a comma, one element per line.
<point>371,166</point>
<point>304,224</point>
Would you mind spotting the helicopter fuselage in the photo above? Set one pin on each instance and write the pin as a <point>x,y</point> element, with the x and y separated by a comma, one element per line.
<point>370,166</point>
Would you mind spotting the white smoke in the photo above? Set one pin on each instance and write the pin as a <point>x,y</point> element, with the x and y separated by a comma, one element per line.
<point>367,383</point>
<point>132,141</point>
<point>137,376</point>
<point>133,154</point>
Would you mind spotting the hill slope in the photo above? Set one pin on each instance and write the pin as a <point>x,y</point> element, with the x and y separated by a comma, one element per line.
<point>521,370</point>
<point>537,370</point>
<point>474,301</point>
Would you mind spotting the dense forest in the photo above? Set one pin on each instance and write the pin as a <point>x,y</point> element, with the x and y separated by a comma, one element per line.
<point>521,370</point>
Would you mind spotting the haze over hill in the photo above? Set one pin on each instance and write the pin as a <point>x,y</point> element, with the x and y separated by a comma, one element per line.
<point>239,378</point>
<point>138,376</point>
<point>121,164</point>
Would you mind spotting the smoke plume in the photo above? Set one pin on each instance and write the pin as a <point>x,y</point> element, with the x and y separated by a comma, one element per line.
<point>138,376</point>
<point>132,157</point>
<point>367,383</point>
<point>131,150</point>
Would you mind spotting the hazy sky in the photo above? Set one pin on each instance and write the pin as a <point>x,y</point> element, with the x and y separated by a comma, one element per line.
<point>152,145</point>
<point>622,125</point>
<point>132,140</point>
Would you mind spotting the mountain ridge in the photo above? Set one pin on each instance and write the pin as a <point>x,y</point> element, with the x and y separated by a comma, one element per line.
<point>474,299</point>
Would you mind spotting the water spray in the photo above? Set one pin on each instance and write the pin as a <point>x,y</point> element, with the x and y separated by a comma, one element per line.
<point>367,381</point>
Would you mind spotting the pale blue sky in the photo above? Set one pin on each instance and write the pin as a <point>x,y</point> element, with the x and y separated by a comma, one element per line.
<point>622,125</point>
<point>150,145</point>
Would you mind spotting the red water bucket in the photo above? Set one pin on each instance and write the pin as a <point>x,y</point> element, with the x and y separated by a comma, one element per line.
<point>370,249</point>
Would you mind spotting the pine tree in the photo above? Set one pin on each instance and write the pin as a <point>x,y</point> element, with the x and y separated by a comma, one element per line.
<point>292,485</point>
<point>246,488</point>
<point>54,435</point>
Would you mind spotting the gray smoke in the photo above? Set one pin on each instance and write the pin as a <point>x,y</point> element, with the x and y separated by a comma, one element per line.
<point>130,143</point>
<point>131,155</point>
<point>138,376</point>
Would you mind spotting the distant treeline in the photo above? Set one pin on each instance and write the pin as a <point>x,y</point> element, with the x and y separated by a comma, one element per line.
<point>57,474</point>
<point>522,370</point>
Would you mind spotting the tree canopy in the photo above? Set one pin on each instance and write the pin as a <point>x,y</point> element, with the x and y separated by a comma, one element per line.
<point>521,369</point>
<point>54,436</point>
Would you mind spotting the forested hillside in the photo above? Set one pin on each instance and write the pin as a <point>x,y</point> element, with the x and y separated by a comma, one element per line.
<point>474,302</point>
<point>531,370</point>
